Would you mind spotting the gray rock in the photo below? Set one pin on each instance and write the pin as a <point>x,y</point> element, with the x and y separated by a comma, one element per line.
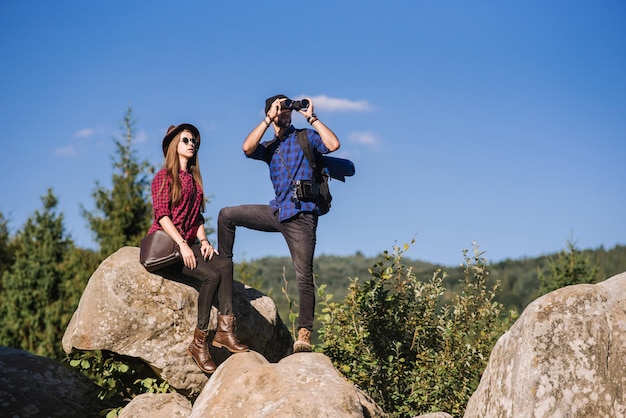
<point>564,357</point>
<point>302,385</point>
<point>126,310</point>
<point>157,405</point>
<point>34,386</point>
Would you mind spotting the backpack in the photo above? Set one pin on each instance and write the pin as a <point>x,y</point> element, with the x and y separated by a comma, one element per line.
<point>320,174</point>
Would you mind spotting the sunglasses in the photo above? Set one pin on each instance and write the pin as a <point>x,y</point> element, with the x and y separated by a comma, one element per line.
<point>194,141</point>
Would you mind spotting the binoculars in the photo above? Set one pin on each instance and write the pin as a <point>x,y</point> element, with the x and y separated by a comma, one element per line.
<point>295,104</point>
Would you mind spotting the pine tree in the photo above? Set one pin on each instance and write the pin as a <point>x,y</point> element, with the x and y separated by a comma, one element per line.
<point>7,254</point>
<point>124,213</point>
<point>35,301</point>
<point>7,248</point>
<point>569,267</point>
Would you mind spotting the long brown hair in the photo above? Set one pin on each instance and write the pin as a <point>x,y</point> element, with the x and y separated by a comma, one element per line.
<point>172,165</point>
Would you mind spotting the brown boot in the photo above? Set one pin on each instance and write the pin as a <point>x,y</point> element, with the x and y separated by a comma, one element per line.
<point>225,335</point>
<point>304,341</point>
<point>200,352</point>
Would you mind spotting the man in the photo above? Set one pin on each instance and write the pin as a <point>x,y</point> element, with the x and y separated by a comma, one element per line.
<point>289,214</point>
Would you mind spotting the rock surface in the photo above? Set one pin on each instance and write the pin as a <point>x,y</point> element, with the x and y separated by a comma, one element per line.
<point>302,385</point>
<point>126,310</point>
<point>157,405</point>
<point>564,357</point>
<point>246,385</point>
<point>34,386</point>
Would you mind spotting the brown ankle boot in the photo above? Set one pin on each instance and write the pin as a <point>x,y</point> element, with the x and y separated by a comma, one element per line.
<point>225,335</point>
<point>200,352</point>
<point>304,341</point>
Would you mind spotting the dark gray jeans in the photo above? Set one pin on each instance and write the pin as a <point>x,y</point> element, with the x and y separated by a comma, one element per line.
<point>299,233</point>
<point>214,276</point>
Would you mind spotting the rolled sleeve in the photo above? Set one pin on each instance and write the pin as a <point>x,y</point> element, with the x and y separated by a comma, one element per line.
<point>259,153</point>
<point>160,195</point>
<point>316,141</point>
<point>199,222</point>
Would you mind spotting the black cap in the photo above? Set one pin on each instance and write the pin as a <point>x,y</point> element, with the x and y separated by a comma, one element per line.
<point>270,100</point>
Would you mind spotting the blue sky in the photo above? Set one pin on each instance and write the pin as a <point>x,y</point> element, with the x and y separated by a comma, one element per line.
<point>500,123</point>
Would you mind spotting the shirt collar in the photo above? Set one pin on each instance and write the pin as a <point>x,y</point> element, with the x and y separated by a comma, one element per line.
<point>290,130</point>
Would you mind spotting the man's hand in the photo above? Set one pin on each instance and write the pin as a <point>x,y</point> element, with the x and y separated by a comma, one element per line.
<point>254,137</point>
<point>308,112</point>
<point>275,109</point>
<point>328,137</point>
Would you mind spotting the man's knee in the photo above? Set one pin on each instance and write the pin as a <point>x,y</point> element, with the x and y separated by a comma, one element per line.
<point>224,214</point>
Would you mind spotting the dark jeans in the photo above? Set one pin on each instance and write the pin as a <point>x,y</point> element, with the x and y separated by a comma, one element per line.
<point>299,233</point>
<point>215,276</point>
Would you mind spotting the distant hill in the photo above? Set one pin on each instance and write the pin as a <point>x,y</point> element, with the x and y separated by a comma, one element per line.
<point>519,278</point>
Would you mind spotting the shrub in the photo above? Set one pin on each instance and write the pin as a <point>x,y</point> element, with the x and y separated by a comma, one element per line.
<point>413,354</point>
<point>120,378</point>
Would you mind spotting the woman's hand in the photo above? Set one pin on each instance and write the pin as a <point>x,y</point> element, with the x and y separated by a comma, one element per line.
<point>207,250</point>
<point>189,258</point>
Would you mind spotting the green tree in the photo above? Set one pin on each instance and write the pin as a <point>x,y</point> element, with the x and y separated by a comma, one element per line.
<point>244,272</point>
<point>571,266</point>
<point>7,253</point>
<point>394,336</point>
<point>39,290</point>
<point>124,213</point>
<point>7,247</point>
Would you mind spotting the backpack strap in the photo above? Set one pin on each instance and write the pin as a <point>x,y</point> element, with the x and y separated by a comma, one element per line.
<point>305,144</point>
<point>303,140</point>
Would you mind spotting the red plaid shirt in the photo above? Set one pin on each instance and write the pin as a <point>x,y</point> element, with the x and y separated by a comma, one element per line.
<point>186,216</point>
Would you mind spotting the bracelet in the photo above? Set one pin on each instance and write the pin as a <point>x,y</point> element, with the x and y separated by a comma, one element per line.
<point>204,239</point>
<point>266,122</point>
<point>185,241</point>
<point>311,119</point>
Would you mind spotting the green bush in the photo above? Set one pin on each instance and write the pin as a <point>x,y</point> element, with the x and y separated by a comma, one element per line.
<point>120,378</point>
<point>394,337</point>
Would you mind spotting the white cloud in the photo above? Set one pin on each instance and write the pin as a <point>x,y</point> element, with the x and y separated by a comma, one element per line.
<point>84,133</point>
<point>364,138</point>
<point>65,151</point>
<point>333,104</point>
<point>71,150</point>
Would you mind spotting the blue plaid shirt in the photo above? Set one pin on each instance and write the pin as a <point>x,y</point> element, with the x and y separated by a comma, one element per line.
<point>285,171</point>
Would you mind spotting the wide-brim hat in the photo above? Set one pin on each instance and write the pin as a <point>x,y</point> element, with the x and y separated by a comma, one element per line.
<point>173,130</point>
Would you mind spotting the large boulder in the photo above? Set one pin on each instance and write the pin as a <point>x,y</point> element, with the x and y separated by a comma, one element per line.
<point>303,385</point>
<point>564,357</point>
<point>126,310</point>
<point>246,385</point>
<point>34,386</point>
<point>157,405</point>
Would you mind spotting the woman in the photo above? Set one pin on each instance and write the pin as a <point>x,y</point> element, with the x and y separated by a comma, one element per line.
<point>178,200</point>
